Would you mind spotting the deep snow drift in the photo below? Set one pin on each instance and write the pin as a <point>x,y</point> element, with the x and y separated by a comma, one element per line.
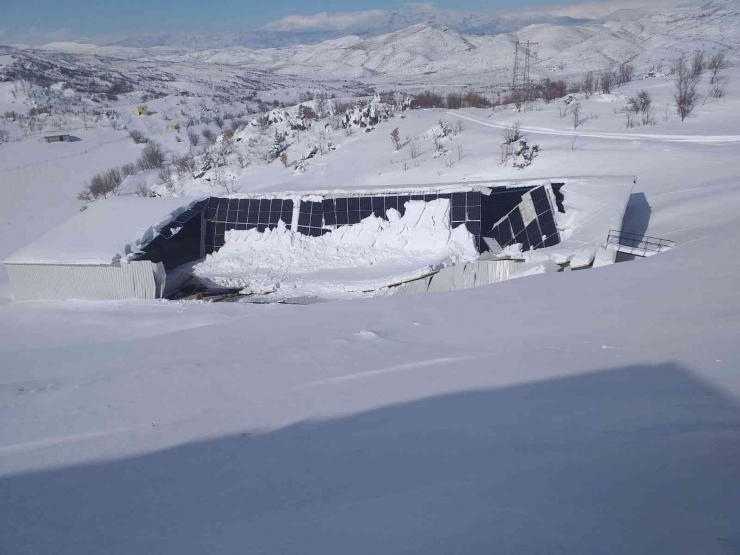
<point>347,260</point>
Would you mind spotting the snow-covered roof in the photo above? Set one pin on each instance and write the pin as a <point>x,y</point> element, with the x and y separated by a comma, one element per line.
<point>103,233</point>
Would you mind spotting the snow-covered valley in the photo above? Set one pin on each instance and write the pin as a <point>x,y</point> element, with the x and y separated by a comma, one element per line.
<point>593,411</point>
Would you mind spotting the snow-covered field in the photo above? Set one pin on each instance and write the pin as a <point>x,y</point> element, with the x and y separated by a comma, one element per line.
<point>586,412</point>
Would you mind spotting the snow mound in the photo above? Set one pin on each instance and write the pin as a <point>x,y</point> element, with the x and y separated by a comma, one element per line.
<point>355,258</point>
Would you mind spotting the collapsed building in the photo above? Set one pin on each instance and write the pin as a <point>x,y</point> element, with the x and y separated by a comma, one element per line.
<point>322,244</point>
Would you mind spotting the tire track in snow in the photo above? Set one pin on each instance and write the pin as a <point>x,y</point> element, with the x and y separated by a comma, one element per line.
<point>382,371</point>
<point>699,139</point>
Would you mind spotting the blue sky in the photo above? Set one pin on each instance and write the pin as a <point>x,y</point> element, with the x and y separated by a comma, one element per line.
<point>101,17</point>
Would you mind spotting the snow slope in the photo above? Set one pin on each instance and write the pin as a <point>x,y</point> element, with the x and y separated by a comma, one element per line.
<point>590,412</point>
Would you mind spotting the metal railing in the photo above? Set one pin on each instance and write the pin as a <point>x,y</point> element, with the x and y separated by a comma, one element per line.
<point>638,245</point>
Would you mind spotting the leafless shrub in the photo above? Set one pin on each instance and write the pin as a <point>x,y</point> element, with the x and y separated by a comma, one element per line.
<point>460,153</point>
<point>263,122</point>
<point>218,120</point>
<point>589,83</point>
<point>4,136</point>
<point>475,100</point>
<point>396,139</point>
<point>143,190</point>
<point>428,99</point>
<point>454,101</point>
<point>415,149</point>
<point>698,64</point>
<point>209,136</point>
<point>128,169</point>
<point>629,119</point>
<point>193,137</point>
<point>459,127</point>
<point>718,87</point>
<point>625,74</point>
<point>152,157</point>
<point>164,177</point>
<point>716,64</point>
<point>513,133</point>
<point>284,159</point>
<point>138,137</point>
<point>183,165</point>
<point>685,95</point>
<point>102,185</point>
<point>607,82</point>
<point>553,89</point>
<point>575,114</point>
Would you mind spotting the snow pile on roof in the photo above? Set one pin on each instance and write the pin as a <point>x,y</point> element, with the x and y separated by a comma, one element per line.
<point>107,231</point>
<point>348,260</point>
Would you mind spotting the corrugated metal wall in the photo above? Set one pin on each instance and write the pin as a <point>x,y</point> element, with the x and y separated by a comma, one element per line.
<point>133,280</point>
<point>461,276</point>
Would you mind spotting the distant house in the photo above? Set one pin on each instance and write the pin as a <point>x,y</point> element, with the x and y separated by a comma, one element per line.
<point>62,138</point>
<point>141,111</point>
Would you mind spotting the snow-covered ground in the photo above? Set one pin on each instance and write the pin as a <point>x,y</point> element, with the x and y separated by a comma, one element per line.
<point>585,412</point>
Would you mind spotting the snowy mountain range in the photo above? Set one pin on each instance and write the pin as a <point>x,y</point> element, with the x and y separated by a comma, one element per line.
<point>426,53</point>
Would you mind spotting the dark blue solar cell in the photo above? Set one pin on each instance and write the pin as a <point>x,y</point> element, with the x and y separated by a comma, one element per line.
<point>547,224</point>
<point>233,204</point>
<point>200,205</point>
<point>473,227</point>
<point>252,217</point>
<point>457,224</point>
<point>223,204</point>
<point>220,228</point>
<point>243,204</point>
<point>241,217</point>
<point>365,214</point>
<point>473,198</point>
<point>473,212</point>
<point>287,205</point>
<point>538,194</point>
<point>210,249</point>
<point>447,196</point>
<point>417,197</point>
<point>213,202</point>
<point>517,223</point>
<point>264,205</point>
<point>391,202</point>
<point>317,220</point>
<point>221,215</point>
<point>232,216</point>
<point>314,231</point>
<point>327,205</point>
<point>402,200</point>
<point>264,217</point>
<point>458,214</point>
<point>330,218</point>
<point>287,217</point>
<point>341,204</point>
<point>353,203</point>
<point>274,217</point>
<point>304,219</point>
<point>458,199</point>
<point>276,205</point>
<point>552,240</point>
<point>241,227</point>
<point>354,216</point>
<point>504,233</point>
<point>210,213</point>
<point>219,242</point>
<point>272,226</point>
<point>430,197</point>
<point>342,218</point>
<point>534,234</point>
<point>251,226</point>
<point>254,205</point>
<point>366,203</point>
<point>303,230</point>
<point>261,227</point>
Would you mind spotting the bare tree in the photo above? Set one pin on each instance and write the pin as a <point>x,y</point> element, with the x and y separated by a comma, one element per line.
<point>396,139</point>
<point>209,135</point>
<point>625,73</point>
<point>415,149</point>
<point>575,112</point>
<point>218,120</point>
<point>698,64</point>
<point>589,83</point>
<point>138,137</point>
<point>152,157</point>
<point>513,133</point>
<point>607,82</point>
<point>102,185</point>
<point>194,138</point>
<point>716,64</point>
<point>685,95</point>
<point>284,159</point>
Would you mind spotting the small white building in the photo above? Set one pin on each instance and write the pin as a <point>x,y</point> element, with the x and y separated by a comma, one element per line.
<point>87,257</point>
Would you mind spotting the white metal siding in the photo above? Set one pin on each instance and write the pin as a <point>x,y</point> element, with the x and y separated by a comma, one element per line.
<point>133,280</point>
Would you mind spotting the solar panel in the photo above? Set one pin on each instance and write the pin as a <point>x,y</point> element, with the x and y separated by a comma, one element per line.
<point>540,230</point>
<point>223,214</point>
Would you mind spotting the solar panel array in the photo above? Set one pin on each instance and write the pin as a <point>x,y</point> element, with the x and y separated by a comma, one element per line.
<point>226,214</point>
<point>314,216</point>
<point>540,231</point>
